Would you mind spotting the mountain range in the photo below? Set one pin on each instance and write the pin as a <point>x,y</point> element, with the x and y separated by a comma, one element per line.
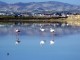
<point>38,6</point>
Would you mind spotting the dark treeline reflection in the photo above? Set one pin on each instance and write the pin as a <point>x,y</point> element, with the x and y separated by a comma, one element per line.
<point>40,29</point>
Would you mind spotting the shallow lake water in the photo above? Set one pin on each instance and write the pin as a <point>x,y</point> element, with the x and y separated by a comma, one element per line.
<point>66,43</point>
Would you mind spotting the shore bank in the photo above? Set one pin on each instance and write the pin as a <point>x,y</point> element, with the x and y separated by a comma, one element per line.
<point>73,20</point>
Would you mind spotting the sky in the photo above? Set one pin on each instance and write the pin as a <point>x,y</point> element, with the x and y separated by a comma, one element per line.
<point>76,2</point>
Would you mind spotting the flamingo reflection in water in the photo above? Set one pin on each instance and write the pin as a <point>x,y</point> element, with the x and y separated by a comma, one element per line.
<point>17,41</point>
<point>52,42</point>
<point>42,42</point>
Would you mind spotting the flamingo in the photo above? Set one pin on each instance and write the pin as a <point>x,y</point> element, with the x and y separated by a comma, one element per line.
<point>52,30</point>
<point>51,42</point>
<point>42,29</point>
<point>17,30</point>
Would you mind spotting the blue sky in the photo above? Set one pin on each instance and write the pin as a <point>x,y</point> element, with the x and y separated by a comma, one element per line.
<point>77,2</point>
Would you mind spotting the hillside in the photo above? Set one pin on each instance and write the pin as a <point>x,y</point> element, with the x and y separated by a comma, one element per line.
<point>38,6</point>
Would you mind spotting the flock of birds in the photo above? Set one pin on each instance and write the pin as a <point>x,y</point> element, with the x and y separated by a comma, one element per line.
<point>42,42</point>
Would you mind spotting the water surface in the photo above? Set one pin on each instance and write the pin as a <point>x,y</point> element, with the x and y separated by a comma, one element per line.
<point>66,46</point>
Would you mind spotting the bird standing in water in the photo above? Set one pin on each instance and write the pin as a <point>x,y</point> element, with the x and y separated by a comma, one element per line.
<point>17,31</point>
<point>42,29</point>
<point>52,30</point>
<point>17,36</point>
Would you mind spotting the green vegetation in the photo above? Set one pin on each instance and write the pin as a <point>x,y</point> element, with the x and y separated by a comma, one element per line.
<point>28,17</point>
<point>72,20</point>
<point>31,19</point>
